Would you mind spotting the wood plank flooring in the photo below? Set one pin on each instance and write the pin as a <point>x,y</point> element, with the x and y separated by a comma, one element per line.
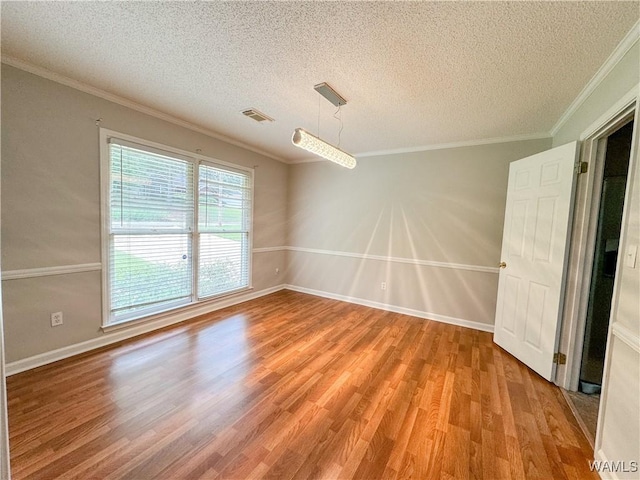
<point>292,386</point>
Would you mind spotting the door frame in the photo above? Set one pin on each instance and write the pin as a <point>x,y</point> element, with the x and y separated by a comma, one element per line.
<point>5,470</point>
<point>584,229</point>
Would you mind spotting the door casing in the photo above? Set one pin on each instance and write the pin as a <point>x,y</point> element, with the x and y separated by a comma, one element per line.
<point>583,233</point>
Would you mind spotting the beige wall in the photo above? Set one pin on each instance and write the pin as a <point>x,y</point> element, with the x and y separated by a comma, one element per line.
<point>444,206</point>
<point>51,205</point>
<point>623,78</point>
<point>440,206</point>
<point>619,421</point>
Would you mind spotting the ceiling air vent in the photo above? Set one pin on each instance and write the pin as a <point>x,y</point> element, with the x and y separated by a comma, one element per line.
<point>256,115</point>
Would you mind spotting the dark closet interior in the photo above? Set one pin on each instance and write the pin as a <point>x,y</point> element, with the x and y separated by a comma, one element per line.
<point>613,187</point>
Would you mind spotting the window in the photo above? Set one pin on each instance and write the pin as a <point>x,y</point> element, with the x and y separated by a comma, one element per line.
<point>177,228</point>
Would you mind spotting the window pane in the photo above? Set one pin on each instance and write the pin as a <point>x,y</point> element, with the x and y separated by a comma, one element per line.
<point>224,218</point>
<point>149,191</point>
<point>151,229</point>
<point>148,270</point>
<point>224,200</point>
<point>223,264</point>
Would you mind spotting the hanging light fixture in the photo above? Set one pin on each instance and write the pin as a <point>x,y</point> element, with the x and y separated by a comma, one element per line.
<point>311,143</point>
<point>303,139</point>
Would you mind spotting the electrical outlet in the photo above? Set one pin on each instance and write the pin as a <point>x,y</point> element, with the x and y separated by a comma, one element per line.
<point>383,286</point>
<point>277,271</point>
<point>56,319</point>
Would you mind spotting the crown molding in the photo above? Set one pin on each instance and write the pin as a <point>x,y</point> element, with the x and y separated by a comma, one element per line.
<point>439,146</point>
<point>125,102</point>
<point>83,87</point>
<point>464,143</point>
<point>618,53</point>
<point>623,47</point>
<point>601,123</point>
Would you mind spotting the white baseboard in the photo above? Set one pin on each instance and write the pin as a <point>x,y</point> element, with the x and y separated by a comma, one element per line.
<point>601,457</point>
<point>460,322</point>
<point>176,317</point>
<point>135,330</point>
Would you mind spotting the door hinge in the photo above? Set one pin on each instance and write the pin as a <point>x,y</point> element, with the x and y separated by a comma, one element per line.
<point>583,167</point>
<point>559,358</point>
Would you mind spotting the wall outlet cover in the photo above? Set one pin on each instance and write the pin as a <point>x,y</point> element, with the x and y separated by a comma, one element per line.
<point>56,319</point>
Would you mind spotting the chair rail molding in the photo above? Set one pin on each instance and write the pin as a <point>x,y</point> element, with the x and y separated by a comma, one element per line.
<point>50,271</point>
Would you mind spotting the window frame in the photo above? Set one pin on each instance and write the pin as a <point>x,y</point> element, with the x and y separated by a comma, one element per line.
<point>196,160</point>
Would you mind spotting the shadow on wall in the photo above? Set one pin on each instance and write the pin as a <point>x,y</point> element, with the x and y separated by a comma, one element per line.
<point>391,280</point>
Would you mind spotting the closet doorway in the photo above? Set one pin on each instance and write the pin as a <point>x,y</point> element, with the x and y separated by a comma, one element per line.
<point>607,240</point>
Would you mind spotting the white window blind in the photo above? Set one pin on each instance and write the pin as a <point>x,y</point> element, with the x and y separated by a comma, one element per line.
<point>224,215</point>
<point>153,264</point>
<point>151,206</point>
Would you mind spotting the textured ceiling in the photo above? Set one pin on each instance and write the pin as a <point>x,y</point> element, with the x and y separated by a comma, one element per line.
<point>414,74</point>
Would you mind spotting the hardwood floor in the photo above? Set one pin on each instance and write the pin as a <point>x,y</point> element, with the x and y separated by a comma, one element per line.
<point>292,386</point>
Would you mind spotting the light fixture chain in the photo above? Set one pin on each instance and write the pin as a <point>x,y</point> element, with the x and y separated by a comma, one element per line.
<point>318,115</point>
<point>338,116</point>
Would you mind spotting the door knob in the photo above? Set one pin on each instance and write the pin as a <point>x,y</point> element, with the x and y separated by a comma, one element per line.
<point>502,264</point>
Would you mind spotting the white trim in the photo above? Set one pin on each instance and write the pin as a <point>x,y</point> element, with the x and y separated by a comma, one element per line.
<point>584,230</point>
<point>580,264</point>
<point>90,267</point>
<point>142,143</point>
<point>614,111</point>
<point>599,456</point>
<point>117,333</point>
<point>184,311</point>
<point>268,249</point>
<point>124,332</point>
<point>249,225</point>
<point>623,47</point>
<point>410,261</point>
<point>626,224</point>
<point>83,87</point>
<point>627,336</point>
<point>439,146</point>
<point>105,180</point>
<point>5,468</point>
<point>460,322</point>
<point>50,271</point>
<point>618,53</point>
<point>463,143</point>
<point>195,160</point>
<point>83,267</point>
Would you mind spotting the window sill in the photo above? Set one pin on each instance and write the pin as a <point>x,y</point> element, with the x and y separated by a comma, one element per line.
<point>181,313</point>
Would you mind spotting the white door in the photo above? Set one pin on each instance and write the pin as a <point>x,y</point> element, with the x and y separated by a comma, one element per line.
<point>535,244</point>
